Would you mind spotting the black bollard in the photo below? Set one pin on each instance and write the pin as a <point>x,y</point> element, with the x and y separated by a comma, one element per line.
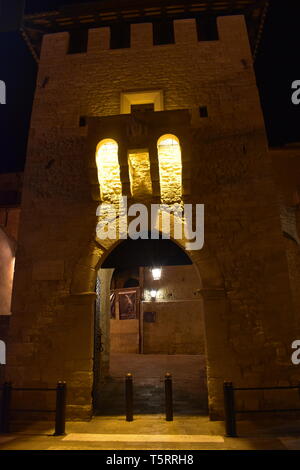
<point>5,408</point>
<point>169,397</point>
<point>229,410</point>
<point>60,415</point>
<point>129,397</point>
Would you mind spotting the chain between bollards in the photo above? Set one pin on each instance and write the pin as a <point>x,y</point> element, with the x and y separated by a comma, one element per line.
<point>129,397</point>
<point>169,397</point>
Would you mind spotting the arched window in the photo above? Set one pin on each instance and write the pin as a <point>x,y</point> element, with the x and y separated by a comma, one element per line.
<point>170,168</point>
<point>108,170</point>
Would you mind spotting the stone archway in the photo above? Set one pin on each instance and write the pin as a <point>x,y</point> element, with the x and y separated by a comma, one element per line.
<point>215,301</point>
<point>220,364</point>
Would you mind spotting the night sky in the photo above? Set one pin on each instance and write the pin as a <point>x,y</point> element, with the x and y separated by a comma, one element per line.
<point>277,66</point>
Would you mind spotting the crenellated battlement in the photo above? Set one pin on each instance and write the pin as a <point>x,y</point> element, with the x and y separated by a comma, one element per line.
<point>231,37</point>
<point>186,74</point>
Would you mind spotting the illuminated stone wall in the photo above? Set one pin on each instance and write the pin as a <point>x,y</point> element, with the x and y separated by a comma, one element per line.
<point>170,169</point>
<point>249,317</point>
<point>286,170</point>
<point>140,176</point>
<point>7,263</point>
<point>108,170</point>
<point>10,190</point>
<point>179,322</point>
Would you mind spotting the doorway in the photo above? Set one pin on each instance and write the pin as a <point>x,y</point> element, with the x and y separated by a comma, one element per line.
<point>154,323</point>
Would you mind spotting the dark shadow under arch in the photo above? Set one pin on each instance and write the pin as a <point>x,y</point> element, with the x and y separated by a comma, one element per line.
<point>142,252</point>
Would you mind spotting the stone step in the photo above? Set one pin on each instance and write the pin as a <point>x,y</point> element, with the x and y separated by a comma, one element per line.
<point>149,398</point>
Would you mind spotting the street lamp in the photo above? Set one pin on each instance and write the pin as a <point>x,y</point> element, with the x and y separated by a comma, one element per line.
<point>156,273</point>
<point>153,294</point>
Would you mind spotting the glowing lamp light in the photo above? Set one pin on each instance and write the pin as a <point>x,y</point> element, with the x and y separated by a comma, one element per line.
<point>156,273</point>
<point>153,294</point>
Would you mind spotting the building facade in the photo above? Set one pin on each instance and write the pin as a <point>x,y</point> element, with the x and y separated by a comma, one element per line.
<point>203,96</point>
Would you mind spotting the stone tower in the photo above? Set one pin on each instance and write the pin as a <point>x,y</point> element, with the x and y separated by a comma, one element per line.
<point>201,91</point>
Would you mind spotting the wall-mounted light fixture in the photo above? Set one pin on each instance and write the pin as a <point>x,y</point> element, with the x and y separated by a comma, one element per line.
<point>153,294</point>
<point>156,273</point>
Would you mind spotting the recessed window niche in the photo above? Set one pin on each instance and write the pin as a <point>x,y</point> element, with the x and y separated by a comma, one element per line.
<point>139,172</point>
<point>132,98</point>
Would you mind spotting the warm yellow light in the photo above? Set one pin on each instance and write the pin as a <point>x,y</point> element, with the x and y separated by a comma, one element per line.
<point>170,168</point>
<point>153,294</point>
<point>108,170</point>
<point>156,273</point>
<point>139,172</point>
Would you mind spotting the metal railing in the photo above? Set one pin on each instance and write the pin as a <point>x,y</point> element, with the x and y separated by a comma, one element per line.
<point>230,410</point>
<point>60,408</point>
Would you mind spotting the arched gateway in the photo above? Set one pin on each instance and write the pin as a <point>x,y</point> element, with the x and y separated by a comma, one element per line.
<point>210,289</point>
